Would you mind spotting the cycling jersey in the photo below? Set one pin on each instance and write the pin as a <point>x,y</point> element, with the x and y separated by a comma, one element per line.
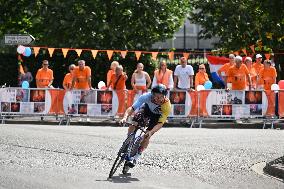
<point>162,110</point>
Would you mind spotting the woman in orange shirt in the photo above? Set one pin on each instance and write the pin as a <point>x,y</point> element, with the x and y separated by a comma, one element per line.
<point>201,77</point>
<point>252,72</point>
<point>267,76</point>
<point>82,77</point>
<point>163,76</point>
<point>67,82</point>
<point>111,71</point>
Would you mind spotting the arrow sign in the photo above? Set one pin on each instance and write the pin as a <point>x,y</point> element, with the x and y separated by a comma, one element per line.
<point>18,39</point>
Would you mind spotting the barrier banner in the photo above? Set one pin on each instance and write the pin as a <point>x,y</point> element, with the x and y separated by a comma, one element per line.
<point>237,104</point>
<point>181,103</point>
<point>90,102</point>
<point>281,103</point>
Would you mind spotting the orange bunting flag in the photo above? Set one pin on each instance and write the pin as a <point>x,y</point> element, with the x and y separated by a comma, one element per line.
<point>36,50</point>
<point>94,53</point>
<point>123,53</point>
<point>78,51</point>
<point>267,56</point>
<point>65,51</point>
<point>109,54</point>
<point>185,55</point>
<point>236,53</point>
<point>171,55</point>
<point>252,48</point>
<point>245,51</point>
<point>50,50</point>
<point>138,54</point>
<point>154,55</point>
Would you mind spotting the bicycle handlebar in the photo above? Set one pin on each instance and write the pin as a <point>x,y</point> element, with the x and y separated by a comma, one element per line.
<point>135,124</point>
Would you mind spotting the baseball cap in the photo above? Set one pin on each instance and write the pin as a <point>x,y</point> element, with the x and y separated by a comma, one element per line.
<point>258,56</point>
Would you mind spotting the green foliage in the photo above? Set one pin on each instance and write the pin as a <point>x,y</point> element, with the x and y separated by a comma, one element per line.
<point>241,23</point>
<point>115,24</point>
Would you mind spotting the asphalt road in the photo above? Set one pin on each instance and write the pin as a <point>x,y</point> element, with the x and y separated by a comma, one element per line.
<point>37,156</point>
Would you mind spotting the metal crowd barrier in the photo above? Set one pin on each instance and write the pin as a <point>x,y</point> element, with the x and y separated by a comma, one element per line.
<point>195,107</point>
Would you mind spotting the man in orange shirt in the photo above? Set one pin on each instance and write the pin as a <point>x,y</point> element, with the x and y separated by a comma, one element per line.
<point>253,75</point>
<point>238,75</point>
<point>267,76</point>
<point>44,76</point>
<point>117,80</point>
<point>67,82</point>
<point>82,77</point>
<point>258,66</point>
<point>223,70</point>
<point>201,77</point>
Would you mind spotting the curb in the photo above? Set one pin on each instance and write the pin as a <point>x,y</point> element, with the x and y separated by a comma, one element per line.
<point>275,168</point>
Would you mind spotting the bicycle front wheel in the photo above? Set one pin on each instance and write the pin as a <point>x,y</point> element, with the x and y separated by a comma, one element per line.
<point>120,158</point>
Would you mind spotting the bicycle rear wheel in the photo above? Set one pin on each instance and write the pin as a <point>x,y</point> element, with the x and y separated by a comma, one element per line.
<point>120,158</point>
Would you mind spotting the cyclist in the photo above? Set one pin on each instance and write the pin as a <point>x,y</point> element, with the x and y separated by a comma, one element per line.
<point>153,106</point>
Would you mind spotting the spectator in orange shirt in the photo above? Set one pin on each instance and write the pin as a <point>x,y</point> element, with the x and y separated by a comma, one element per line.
<point>201,77</point>
<point>113,66</point>
<point>252,72</point>
<point>163,76</point>
<point>118,79</point>
<point>82,77</point>
<point>223,70</point>
<point>258,66</point>
<point>44,76</point>
<point>117,83</point>
<point>238,75</point>
<point>67,82</point>
<point>267,76</point>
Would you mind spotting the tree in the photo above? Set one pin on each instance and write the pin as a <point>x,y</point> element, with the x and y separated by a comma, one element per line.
<point>241,23</point>
<point>113,24</point>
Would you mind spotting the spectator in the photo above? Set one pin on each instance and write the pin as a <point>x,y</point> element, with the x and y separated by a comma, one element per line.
<point>223,70</point>
<point>252,72</point>
<point>111,71</point>
<point>258,66</point>
<point>183,75</point>
<point>140,79</point>
<point>118,79</point>
<point>163,76</point>
<point>117,83</point>
<point>26,76</point>
<point>267,76</point>
<point>201,77</point>
<point>44,76</point>
<point>238,75</point>
<point>67,82</point>
<point>82,76</point>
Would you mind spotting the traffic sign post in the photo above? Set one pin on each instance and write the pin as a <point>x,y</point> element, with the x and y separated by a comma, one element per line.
<point>18,39</point>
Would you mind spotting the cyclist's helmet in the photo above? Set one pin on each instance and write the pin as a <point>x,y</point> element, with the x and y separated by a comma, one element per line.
<point>160,88</point>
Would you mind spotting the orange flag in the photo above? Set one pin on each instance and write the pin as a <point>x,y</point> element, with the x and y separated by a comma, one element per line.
<point>267,56</point>
<point>36,50</point>
<point>138,54</point>
<point>186,55</point>
<point>65,51</point>
<point>50,50</point>
<point>109,54</point>
<point>171,55</point>
<point>252,48</point>
<point>245,51</point>
<point>94,53</point>
<point>236,53</point>
<point>154,55</point>
<point>123,53</point>
<point>78,51</point>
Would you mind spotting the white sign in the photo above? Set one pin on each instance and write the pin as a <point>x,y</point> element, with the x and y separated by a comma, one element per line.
<point>18,39</point>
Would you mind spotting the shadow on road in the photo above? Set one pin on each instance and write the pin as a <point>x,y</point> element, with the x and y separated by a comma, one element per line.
<point>122,178</point>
